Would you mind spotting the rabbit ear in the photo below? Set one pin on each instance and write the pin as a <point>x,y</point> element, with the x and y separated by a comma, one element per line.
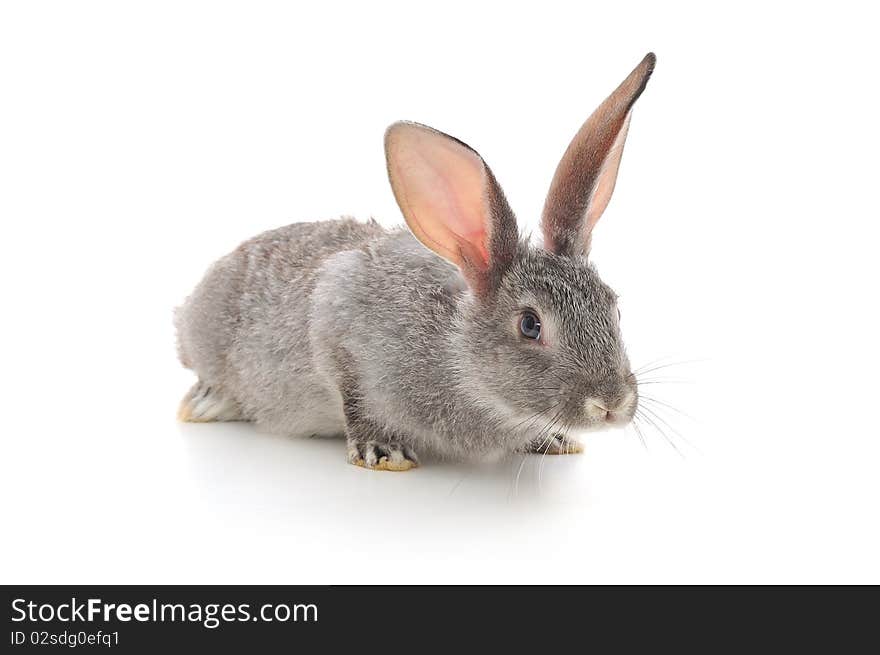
<point>451,202</point>
<point>585,177</point>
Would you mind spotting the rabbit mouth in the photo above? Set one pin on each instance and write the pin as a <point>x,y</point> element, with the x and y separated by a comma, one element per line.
<point>602,412</point>
<point>614,420</point>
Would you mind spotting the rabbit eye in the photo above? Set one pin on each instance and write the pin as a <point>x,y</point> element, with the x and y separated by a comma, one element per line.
<point>530,325</point>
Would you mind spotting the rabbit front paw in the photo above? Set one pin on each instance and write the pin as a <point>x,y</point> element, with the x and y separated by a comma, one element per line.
<point>556,444</point>
<point>381,456</point>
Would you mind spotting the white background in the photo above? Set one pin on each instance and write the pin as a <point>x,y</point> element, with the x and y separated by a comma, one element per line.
<point>139,142</point>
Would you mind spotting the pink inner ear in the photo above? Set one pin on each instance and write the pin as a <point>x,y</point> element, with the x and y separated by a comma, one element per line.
<point>440,185</point>
<point>475,251</point>
<point>601,195</point>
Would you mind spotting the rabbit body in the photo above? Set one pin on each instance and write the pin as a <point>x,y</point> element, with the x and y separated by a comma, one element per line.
<point>455,337</point>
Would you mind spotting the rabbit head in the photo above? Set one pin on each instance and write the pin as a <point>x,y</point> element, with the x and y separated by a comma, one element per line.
<point>538,337</point>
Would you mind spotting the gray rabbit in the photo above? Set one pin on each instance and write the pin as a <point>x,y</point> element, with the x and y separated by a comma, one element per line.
<point>455,337</point>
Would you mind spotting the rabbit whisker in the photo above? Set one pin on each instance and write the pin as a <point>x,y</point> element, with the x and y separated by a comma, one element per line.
<point>536,415</point>
<point>525,455</point>
<point>638,432</point>
<point>654,424</point>
<point>651,363</point>
<point>547,449</point>
<point>644,370</point>
<point>543,440</point>
<point>660,418</point>
<point>667,405</point>
<point>533,417</point>
<point>457,484</point>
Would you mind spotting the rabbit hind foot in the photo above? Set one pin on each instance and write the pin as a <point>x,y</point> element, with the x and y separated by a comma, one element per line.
<point>204,403</point>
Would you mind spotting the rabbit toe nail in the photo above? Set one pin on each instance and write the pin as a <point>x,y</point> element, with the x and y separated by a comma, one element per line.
<point>382,457</point>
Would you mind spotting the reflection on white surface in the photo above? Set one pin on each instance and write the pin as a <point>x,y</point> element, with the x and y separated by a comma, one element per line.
<point>128,498</point>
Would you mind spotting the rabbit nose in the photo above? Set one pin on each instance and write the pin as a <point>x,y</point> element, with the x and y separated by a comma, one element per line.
<point>596,409</point>
<point>609,410</point>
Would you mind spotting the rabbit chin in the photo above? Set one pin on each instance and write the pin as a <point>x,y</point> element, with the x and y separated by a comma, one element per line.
<point>595,425</point>
<point>591,421</point>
